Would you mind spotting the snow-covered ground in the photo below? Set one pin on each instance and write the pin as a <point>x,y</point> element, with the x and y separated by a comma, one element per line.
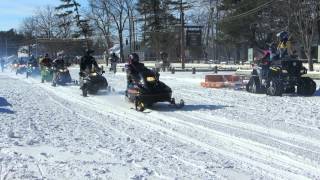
<point>54,133</point>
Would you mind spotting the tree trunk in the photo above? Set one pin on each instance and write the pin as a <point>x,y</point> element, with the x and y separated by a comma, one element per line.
<point>121,46</point>
<point>130,30</point>
<point>318,23</point>
<point>310,62</point>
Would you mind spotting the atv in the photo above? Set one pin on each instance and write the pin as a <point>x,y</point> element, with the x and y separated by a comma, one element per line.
<point>282,76</point>
<point>32,70</point>
<point>63,77</point>
<point>46,74</point>
<point>92,82</point>
<point>147,90</point>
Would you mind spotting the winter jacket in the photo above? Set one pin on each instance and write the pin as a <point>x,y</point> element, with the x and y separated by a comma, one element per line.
<point>88,62</point>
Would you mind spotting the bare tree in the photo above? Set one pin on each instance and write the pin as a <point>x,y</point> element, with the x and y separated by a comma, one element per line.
<point>119,16</point>
<point>47,22</point>
<point>307,16</point>
<point>29,27</point>
<point>64,27</point>
<point>101,19</point>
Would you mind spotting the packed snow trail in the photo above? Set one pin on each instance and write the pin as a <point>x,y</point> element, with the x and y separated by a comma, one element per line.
<point>55,133</point>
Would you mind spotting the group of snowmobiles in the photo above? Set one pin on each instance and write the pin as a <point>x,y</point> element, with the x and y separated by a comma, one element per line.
<point>143,91</point>
<point>143,85</point>
<point>278,72</point>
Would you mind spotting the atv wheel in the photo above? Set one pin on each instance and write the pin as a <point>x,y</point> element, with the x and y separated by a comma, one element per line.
<point>306,87</point>
<point>275,88</point>
<point>254,85</point>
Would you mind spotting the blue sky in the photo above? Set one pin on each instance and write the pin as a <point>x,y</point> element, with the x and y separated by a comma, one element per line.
<point>12,12</point>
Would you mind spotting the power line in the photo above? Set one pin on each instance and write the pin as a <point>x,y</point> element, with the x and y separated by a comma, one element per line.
<point>250,12</point>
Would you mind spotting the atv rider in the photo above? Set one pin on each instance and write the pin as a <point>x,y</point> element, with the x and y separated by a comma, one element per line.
<point>58,63</point>
<point>284,44</point>
<point>133,68</point>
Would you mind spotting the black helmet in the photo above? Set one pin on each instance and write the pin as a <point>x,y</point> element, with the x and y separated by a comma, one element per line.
<point>133,58</point>
<point>283,36</point>
<point>89,51</point>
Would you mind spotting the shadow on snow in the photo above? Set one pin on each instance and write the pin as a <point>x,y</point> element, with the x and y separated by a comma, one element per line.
<point>4,103</point>
<point>188,107</point>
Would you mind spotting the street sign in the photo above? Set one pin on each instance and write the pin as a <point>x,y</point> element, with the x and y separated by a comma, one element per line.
<point>194,38</point>
<point>250,54</point>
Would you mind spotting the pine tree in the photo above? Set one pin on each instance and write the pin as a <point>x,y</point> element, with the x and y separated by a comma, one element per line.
<point>70,8</point>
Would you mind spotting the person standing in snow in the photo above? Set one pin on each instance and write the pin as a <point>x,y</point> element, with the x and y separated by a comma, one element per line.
<point>114,61</point>
<point>2,64</point>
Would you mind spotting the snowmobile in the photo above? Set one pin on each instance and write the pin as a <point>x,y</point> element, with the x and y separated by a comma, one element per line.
<point>32,70</point>
<point>21,68</point>
<point>46,74</point>
<point>282,76</point>
<point>93,81</point>
<point>63,77</point>
<point>147,90</point>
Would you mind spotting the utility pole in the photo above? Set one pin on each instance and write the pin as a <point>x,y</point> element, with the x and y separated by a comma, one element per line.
<point>216,31</point>
<point>182,53</point>
<point>36,47</point>
<point>6,48</point>
<point>134,34</point>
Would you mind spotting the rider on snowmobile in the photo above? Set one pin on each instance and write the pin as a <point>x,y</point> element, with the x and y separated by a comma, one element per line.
<point>33,61</point>
<point>133,68</point>
<point>88,62</point>
<point>58,63</point>
<point>46,61</point>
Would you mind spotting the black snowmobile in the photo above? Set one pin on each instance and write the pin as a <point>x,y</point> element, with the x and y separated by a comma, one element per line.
<point>147,89</point>
<point>92,82</point>
<point>282,76</point>
<point>63,77</point>
<point>32,70</point>
<point>21,68</point>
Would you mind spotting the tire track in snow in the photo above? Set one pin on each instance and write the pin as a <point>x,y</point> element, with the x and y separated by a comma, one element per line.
<point>186,138</point>
<point>97,107</point>
<point>94,107</point>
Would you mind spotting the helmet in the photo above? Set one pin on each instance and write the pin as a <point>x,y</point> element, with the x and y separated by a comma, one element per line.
<point>89,51</point>
<point>283,36</point>
<point>60,53</point>
<point>133,58</point>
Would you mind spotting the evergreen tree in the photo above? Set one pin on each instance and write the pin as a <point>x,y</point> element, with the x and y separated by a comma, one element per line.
<point>71,8</point>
